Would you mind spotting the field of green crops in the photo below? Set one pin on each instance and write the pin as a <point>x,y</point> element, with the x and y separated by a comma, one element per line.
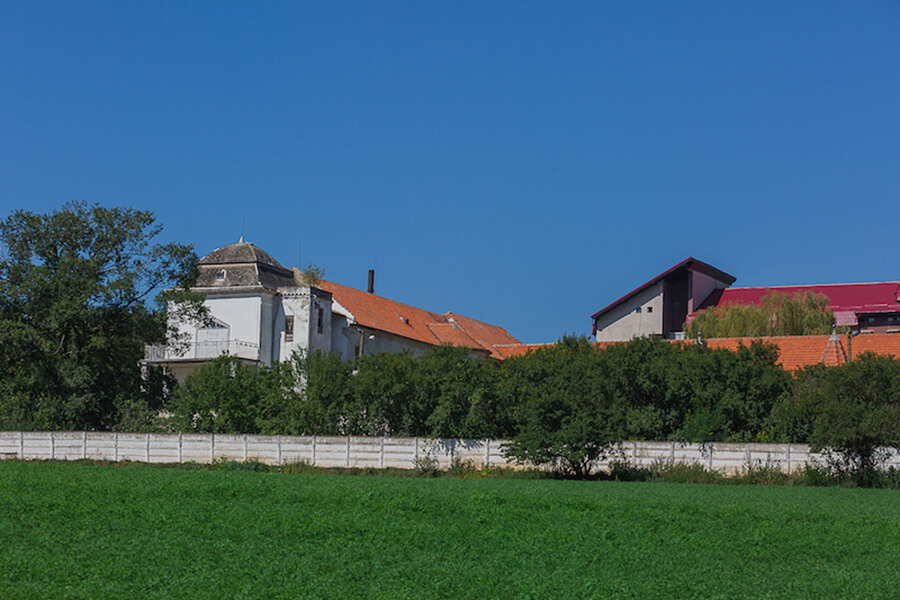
<point>82,531</point>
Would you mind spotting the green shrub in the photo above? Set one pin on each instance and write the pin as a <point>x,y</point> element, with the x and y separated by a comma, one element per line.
<point>426,466</point>
<point>684,473</point>
<point>229,464</point>
<point>762,475</point>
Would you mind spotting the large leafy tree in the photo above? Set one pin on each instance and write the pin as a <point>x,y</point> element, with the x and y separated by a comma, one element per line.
<point>75,312</point>
<point>565,416</point>
<point>852,413</point>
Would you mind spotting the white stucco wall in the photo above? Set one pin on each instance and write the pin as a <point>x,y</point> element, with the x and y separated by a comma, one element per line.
<point>259,318</point>
<point>241,312</point>
<point>377,341</point>
<point>294,302</point>
<point>303,303</point>
<point>269,306</point>
<point>345,337</point>
<point>320,321</point>
<point>624,322</point>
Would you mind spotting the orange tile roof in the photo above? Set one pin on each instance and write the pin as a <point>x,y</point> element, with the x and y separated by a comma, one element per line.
<point>794,351</point>
<point>452,333</point>
<point>805,350</point>
<point>487,335</point>
<point>879,343</point>
<point>800,351</point>
<point>510,350</point>
<point>382,314</point>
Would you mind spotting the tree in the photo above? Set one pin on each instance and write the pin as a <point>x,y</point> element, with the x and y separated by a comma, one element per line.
<point>454,394</point>
<point>804,313</point>
<point>564,414</point>
<point>384,394</point>
<point>75,313</point>
<point>857,414</point>
<point>691,392</point>
<point>223,396</point>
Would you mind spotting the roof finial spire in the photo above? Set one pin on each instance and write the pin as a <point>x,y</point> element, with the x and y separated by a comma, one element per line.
<point>241,241</point>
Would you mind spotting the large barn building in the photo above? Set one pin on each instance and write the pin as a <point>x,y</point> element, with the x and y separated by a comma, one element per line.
<point>665,303</point>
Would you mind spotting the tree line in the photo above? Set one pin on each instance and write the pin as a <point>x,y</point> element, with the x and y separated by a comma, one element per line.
<point>566,404</point>
<point>75,314</point>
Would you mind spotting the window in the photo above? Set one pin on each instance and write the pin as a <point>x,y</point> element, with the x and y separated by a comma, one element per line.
<point>638,309</point>
<point>871,319</point>
<point>220,275</point>
<point>288,328</point>
<point>649,309</point>
<point>319,318</point>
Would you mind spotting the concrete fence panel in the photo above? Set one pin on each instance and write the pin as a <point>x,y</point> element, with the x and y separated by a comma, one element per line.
<point>376,452</point>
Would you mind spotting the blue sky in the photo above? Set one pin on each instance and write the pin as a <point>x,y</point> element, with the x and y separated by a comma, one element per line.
<point>525,163</point>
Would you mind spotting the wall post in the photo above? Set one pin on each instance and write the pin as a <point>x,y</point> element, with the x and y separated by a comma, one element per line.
<point>788,452</point>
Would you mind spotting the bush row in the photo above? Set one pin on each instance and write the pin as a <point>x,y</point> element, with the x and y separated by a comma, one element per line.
<point>563,404</point>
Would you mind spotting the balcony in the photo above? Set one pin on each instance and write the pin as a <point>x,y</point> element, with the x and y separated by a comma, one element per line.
<point>198,351</point>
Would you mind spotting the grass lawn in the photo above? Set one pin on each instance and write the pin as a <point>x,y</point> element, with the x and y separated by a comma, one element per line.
<point>82,531</point>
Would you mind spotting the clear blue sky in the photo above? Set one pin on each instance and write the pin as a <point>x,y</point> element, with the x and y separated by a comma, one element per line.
<point>521,162</point>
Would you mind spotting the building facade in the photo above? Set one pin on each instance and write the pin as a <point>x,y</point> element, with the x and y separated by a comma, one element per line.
<point>262,313</point>
<point>660,306</point>
<point>664,304</point>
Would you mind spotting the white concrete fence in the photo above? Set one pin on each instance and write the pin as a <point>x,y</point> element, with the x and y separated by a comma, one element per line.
<point>378,452</point>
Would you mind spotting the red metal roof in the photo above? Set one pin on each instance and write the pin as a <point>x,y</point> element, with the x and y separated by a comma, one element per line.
<point>846,300</point>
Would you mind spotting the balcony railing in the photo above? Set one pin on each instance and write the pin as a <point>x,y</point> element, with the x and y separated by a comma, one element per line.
<point>201,351</point>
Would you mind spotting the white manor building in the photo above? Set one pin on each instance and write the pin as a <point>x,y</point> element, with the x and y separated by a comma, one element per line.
<point>261,312</point>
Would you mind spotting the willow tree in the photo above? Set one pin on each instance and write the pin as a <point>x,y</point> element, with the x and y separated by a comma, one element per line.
<point>803,313</point>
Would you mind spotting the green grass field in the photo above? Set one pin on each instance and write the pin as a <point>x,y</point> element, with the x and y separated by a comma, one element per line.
<point>82,531</point>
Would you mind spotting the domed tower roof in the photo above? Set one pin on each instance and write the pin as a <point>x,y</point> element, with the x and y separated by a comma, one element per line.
<point>240,253</point>
<point>242,264</point>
